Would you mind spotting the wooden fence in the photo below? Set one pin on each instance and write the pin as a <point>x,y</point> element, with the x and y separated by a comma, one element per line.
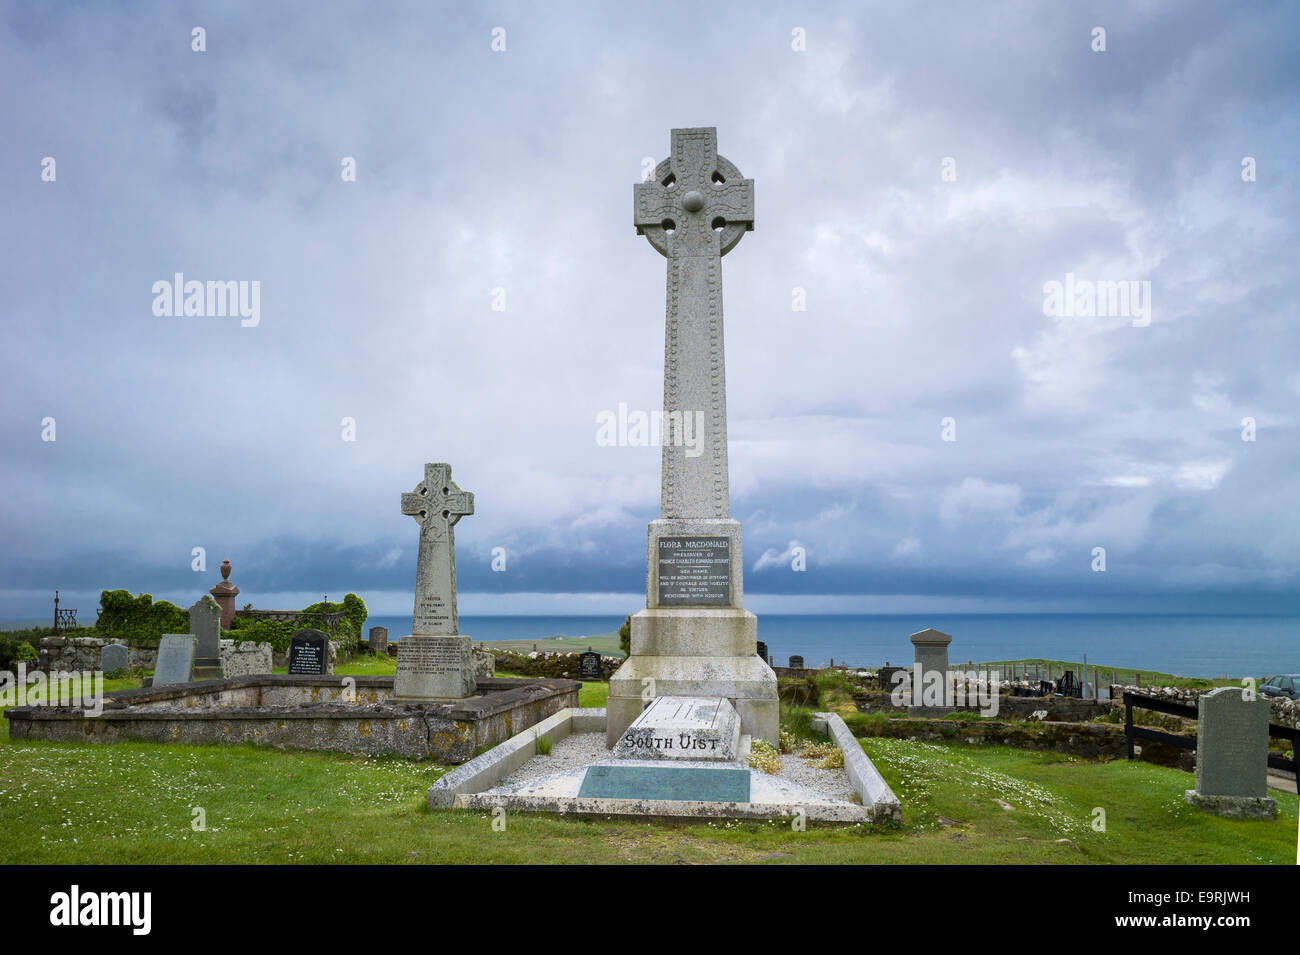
<point>1187,711</point>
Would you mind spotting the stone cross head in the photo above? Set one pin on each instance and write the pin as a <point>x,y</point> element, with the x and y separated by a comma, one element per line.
<point>437,503</point>
<point>697,203</point>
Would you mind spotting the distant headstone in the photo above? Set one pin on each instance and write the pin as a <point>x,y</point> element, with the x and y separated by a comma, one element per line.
<point>762,651</point>
<point>175,659</point>
<point>885,676</point>
<point>589,666</point>
<point>308,652</point>
<point>930,672</point>
<point>114,656</point>
<point>378,639</point>
<point>1232,756</point>
<point>796,662</point>
<point>205,627</point>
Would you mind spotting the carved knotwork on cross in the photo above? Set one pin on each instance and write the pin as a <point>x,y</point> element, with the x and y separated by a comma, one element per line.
<point>693,212</point>
<point>437,503</point>
<point>697,203</point>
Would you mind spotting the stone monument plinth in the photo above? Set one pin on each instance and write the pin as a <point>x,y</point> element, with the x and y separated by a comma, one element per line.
<point>694,638</point>
<point>931,694</point>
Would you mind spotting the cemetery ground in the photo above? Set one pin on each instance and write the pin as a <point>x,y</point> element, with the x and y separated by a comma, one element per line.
<point>135,803</point>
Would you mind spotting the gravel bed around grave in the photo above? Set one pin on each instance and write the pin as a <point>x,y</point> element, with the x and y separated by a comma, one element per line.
<point>572,752</point>
<point>582,749</point>
<point>829,782</point>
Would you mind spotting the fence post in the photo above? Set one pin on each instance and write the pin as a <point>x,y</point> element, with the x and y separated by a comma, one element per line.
<point>1128,724</point>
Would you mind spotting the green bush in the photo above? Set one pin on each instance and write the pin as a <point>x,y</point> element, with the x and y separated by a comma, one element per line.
<point>15,648</point>
<point>625,637</point>
<point>138,619</point>
<point>277,633</point>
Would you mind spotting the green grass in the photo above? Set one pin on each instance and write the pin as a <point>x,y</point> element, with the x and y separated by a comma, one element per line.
<point>1123,675</point>
<point>606,643</point>
<point>134,802</point>
<point>128,803</point>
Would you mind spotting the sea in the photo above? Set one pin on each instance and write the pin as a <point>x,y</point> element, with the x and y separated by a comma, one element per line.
<point>1199,645</point>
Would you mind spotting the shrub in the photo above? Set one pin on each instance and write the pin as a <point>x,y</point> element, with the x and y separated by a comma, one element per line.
<point>625,637</point>
<point>542,744</point>
<point>138,619</point>
<point>764,757</point>
<point>15,649</point>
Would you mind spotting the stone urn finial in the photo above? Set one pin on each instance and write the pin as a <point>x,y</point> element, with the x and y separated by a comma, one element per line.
<point>225,593</point>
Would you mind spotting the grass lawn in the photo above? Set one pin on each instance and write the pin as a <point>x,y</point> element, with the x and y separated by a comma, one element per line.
<point>134,802</point>
<point>1126,676</point>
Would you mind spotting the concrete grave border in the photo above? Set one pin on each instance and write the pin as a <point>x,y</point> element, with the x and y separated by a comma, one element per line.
<point>468,786</point>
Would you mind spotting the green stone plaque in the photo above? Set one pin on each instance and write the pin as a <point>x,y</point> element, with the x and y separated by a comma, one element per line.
<point>677,783</point>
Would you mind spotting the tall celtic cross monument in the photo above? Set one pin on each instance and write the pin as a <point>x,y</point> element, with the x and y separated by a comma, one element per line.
<point>435,661</point>
<point>694,638</point>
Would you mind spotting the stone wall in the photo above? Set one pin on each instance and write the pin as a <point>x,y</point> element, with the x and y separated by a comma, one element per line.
<point>83,653</point>
<point>556,664</point>
<point>1087,740</point>
<point>245,659</point>
<point>1062,709</point>
<point>1283,711</point>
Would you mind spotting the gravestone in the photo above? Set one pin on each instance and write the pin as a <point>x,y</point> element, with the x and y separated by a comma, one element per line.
<point>694,638</point>
<point>930,673</point>
<point>114,656</point>
<point>379,640</point>
<point>683,727</point>
<point>205,627</point>
<point>309,652</point>
<point>589,665</point>
<point>762,651</point>
<point>885,676</point>
<point>795,662</point>
<point>1232,756</point>
<point>436,662</point>
<point>175,662</point>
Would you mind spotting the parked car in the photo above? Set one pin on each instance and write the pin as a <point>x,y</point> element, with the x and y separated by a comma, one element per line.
<point>1285,685</point>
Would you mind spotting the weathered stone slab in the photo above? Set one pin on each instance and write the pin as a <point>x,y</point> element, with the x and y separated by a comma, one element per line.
<point>114,656</point>
<point>683,728</point>
<point>676,783</point>
<point>1232,755</point>
<point>434,668</point>
<point>175,659</point>
<point>379,640</point>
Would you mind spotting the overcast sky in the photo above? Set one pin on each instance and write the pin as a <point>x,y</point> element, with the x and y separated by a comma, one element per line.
<point>480,170</point>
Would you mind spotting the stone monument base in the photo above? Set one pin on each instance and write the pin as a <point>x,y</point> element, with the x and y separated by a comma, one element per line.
<point>434,668</point>
<point>208,668</point>
<point>1234,807</point>
<point>694,652</point>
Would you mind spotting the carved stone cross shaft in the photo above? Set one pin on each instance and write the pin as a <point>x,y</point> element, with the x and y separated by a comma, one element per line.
<point>436,504</point>
<point>693,212</point>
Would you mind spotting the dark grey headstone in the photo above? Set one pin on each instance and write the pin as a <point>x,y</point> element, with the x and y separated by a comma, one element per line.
<point>308,652</point>
<point>796,662</point>
<point>589,666</point>
<point>205,627</point>
<point>762,651</point>
<point>114,656</point>
<point>379,639</point>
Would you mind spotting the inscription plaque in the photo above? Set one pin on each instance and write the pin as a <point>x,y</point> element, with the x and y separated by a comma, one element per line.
<point>694,571</point>
<point>677,783</point>
<point>307,652</point>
